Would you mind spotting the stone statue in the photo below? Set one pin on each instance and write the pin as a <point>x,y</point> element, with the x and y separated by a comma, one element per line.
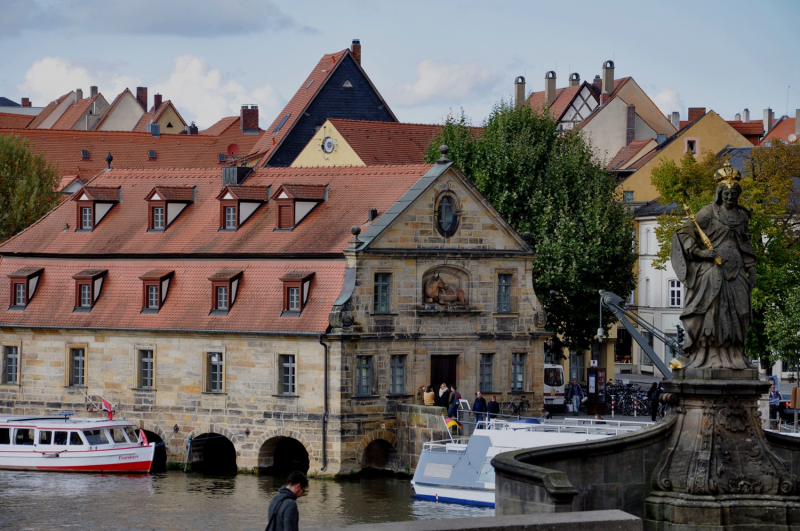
<point>437,291</point>
<point>713,258</point>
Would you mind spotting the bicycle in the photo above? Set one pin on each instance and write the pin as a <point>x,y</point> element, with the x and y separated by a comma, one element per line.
<point>512,408</point>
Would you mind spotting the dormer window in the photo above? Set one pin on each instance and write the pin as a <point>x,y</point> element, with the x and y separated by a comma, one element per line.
<point>296,288</point>
<point>155,286</point>
<point>165,204</point>
<point>94,202</point>
<point>295,202</point>
<point>88,286</point>
<point>224,288</point>
<point>23,286</point>
<point>238,203</point>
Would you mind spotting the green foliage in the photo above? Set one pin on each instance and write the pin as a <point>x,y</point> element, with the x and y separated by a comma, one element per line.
<point>27,186</point>
<point>782,327</point>
<point>552,186</point>
<point>769,191</point>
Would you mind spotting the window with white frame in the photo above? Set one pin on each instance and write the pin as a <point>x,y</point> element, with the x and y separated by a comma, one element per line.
<point>86,218</point>
<point>158,218</point>
<point>222,297</point>
<point>146,372</point>
<point>10,374</point>
<point>517,371</point>
<point>86,295</point>
<point>19,294</point>
<point>294,299</point>
<point>485,383</point>
<point>675,294</point>
<point>152,297</point>
<point>363,375</point>
<point>215,370</point>
<point>230,218</point>
<point>398,375</point>
<point>288,374</point>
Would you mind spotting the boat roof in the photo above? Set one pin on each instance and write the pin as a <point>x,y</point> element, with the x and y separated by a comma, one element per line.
<point>62,421</point>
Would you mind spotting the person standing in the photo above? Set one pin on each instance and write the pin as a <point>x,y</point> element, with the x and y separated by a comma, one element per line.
<point>452,409</point>
<point>429,397</point>
<point>575,394</point>
<point>492,408</point>
<point>653,394</point>
<point>283,514</point>
<point>479,407</point>
<point>444,396</point>
<point>774,402</point>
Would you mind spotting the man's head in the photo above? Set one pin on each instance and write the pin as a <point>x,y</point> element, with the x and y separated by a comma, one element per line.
<point>478,394</point>
<point>574,381</point>
<point>494,398</point>
<point>297,483</point>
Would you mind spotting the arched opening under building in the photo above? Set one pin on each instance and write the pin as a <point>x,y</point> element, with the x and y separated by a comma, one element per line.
<point>160,455</point>
<point>212,453</point>
<point>280,456</point>
<point>380,455</point>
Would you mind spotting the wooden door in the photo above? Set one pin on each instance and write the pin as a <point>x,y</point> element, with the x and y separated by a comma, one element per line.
<point>443,370</point>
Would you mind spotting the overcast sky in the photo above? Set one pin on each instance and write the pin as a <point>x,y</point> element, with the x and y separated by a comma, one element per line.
<point>425,57</point>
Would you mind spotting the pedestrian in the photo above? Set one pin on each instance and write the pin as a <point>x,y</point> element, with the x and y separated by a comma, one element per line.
<point>444,395</point>
<point>429,397</point>
<point>492,408</point>
<point>653,394</point>
<point>545,415</point>
<point>774,402</point>
<point>452,410</point>
<point>283,514</point>
<point>479,407</point>
<point>575,394</point>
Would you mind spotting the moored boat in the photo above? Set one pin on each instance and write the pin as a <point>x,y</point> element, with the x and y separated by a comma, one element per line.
<point>63,443</point>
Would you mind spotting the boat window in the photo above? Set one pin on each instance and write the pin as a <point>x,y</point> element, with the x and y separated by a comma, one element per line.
<point>132,435</point>
<point>75,439</point>
<point>45,437</point>
<point>486,475</point>
<point>24,436</point>
<point>554,377</point>
<point>5,437</point>
<point>94,437</point>
<point>116,435</point>
<point>60,438</point>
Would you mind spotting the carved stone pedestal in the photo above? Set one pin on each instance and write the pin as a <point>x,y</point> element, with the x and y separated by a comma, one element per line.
<point>717,470</point>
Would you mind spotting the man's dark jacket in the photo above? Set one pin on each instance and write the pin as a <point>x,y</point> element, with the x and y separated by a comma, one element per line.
<point>288,518</point>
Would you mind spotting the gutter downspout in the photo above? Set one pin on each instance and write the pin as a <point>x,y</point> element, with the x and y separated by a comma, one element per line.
<point>325,408</point>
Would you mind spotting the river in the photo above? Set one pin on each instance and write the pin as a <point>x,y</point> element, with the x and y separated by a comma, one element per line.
<point>174,500</point>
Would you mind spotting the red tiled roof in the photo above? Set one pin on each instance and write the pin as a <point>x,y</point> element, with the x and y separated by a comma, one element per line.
<point>14,121</point>
<point>246,193</point>
<point>73,113</point>
<point>627,153</point>
<point>156,274</point>
<point>67,180</point>
<point>352,191</point>
<point>258,305</point>
<point>297,275</point>
<point>46,111</point>
<point>225,274</point>
<point>781,130</point>
<point>387,142</point>
<point>90,273</point>
<point>100,193</point>
<point>153,115</point>
<point>221,126</point>
<point>564,97</point>
<point>302,191</point>
<point>747,128</point>
<point>25,271</point>
<point>173,193</point>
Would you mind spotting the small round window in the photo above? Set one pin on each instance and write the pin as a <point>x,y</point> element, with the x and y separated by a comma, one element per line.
<point>446,219</point>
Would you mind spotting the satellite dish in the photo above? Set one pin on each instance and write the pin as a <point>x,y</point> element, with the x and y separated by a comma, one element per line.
<point>233,150</point>
<point>792,137</point>
<point>328,144</point>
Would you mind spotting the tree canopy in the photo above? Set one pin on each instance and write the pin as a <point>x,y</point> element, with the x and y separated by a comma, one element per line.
<point>770,188</point>
<point>550,185</point>
<point>27,186</point>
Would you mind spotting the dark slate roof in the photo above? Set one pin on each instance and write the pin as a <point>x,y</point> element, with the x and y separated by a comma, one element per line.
<point>739,156</point>
<point>654,208</point>
<point>5,102</point>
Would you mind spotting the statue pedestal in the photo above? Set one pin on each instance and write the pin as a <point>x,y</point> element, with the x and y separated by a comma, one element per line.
<point>717,470</point>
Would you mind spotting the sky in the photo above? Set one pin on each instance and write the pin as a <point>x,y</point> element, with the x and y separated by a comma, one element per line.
<point>426,58</point>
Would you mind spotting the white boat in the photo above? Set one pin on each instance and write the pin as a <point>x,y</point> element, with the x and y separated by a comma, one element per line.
<point>460,470</point>
<point>62,443</point>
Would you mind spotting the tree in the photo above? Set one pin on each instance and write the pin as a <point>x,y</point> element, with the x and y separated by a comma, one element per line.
<point>771,190</point>
<point>27,186</point>
<point>553,187</point>
<point>782,327</point>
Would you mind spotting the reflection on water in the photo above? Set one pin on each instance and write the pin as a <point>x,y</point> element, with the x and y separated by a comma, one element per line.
<point>173,500</point>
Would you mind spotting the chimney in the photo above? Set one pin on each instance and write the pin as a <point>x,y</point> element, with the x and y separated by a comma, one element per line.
<point>248,119</point>
<point>519,91</point>
<point>550,87</point>
<point>767,120</point>
<point>737,117</point>
<point>26,102</point>
<point>675,120</point>
<point>630,131</point>
<point>597,84</point>
<point>355,49</point>
<point>93,91</point>
<point>193,130</point>
<point>157,101</point>
<point>608,77</point>
<point>78,95</point>
<point>797,122</point>
<point>141,97</point>
<point>574,79</point>
<point>695,113</point>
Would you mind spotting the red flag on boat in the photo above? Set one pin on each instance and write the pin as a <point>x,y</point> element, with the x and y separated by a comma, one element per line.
<point>108,409</point>
<point>142,437</point>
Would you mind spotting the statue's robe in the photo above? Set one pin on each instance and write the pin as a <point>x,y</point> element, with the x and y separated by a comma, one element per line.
<point>718,311</point>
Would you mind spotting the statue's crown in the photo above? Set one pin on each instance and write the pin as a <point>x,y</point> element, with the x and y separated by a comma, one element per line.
<point>727,174</point>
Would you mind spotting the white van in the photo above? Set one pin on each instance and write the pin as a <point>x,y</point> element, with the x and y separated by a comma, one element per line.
<point>554,387</point>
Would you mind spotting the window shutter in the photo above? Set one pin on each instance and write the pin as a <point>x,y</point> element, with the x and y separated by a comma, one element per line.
<point>285,219</point>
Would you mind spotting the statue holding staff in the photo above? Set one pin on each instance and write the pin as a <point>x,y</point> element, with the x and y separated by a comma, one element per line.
<point>713,258</point>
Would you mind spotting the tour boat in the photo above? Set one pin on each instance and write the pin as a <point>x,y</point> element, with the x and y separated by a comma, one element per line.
<point>62,443</point>
<point>460,470</point>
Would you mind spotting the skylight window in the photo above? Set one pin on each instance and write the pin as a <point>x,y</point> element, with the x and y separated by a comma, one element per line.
<point>152,154</point>
<point>85,154</point>
<point>280,124</point>
<point>309,84</point>
<point>222,157</point>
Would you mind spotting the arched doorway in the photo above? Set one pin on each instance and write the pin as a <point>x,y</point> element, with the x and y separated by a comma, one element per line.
<point>212,453</point>
<point>380,455</point>
<point>281,455</point>
<point>160,455</point>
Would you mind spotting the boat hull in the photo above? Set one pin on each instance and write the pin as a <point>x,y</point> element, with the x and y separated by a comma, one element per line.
<point>443,494</point>
<point>132,460</point>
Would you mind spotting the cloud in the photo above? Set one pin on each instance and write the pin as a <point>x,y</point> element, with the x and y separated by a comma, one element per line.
<point>668,100</point>
<point>205,95</point>
<point>185,18</point>
<point>440,82</point>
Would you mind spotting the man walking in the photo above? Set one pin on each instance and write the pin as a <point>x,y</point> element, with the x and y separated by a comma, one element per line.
<point>479,407</point>
<point>283,514</point>
<point>575,393</point>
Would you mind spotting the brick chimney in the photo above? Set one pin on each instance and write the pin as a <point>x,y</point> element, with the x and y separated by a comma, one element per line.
<point>248,119</point>
<point>695,113</point>
<point>93,91</point>
<point>574,79</point>
<point>157,101</point>
<point>767,120</point>
<point>630,130</point>
<point>550,87</point>
<point>141,97</point>
<point>355,49</point>
<point>26,102</point>
<point>519,91</point>
<point>608,77</point>
<point>675,120</point>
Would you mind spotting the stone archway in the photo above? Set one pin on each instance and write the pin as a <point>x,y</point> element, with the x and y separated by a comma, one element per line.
<point>282,451</point>
<point>214,450</point>
<point>155,434</point>
<point>378,451</point>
